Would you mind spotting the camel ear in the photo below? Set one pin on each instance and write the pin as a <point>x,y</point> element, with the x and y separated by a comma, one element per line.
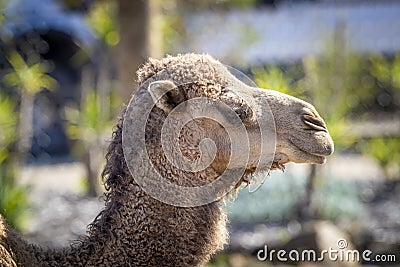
<point>166,95</point>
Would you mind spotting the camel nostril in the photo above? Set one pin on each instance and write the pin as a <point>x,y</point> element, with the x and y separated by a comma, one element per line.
<point>314,123</point>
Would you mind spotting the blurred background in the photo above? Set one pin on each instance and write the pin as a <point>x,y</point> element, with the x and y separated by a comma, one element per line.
<point>67,67</point>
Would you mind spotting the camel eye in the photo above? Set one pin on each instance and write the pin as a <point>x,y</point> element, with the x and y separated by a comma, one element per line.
<point>242,111</point>
<point>240,107</point>
<point>245,113</point>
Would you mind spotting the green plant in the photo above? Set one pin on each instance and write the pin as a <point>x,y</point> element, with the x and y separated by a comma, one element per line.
<point>386,151</point>
<point>14,202</point>
<point>273,77</point>
<point>91,120</point>
<point>13,197</point>
<point>8,122</point>
<point>29,75</point>
<point>102,19</point>
<point>386,71</point>
<point>29,78</point>
<point>86,127</point>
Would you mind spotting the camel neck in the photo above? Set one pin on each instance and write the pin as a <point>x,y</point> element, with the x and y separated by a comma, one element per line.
<point>136,229</point>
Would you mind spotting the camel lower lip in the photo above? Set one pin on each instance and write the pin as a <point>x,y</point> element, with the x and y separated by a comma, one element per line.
<point>315,158</point>
<point>321,159</point>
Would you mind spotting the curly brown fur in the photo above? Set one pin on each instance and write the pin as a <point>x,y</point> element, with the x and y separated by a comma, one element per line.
<point>134,229</point>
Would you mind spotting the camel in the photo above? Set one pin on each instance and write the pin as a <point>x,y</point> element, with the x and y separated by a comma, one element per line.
<point>144,225</point>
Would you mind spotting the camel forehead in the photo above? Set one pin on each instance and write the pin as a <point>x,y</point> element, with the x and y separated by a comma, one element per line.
<point>184,68</point>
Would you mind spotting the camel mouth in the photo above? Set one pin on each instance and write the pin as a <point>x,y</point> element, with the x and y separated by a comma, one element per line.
<point>312,157</point>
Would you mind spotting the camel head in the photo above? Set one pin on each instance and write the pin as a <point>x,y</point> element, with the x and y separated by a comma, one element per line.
<point>301,133</point>
<point>204,117</point>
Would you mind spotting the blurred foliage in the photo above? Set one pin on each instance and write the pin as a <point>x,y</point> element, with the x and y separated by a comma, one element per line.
<point>13,197</point>
<point>274,78</point>
<point>14,202</point>
<point>102,18</point>
<point>88,128</point>
<point>8,122</point>
<point>28,76</point>
<point>91,120</point>
<point>386,71</point>
<point>386,151</point>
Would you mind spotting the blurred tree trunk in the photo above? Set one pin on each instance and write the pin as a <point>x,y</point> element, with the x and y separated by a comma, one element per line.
<point>139,28</point>
<point>25,123</point>
<point>91,174</point>
<point>309,212</point>
<point>93,153</point>
<point>303,209</point>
